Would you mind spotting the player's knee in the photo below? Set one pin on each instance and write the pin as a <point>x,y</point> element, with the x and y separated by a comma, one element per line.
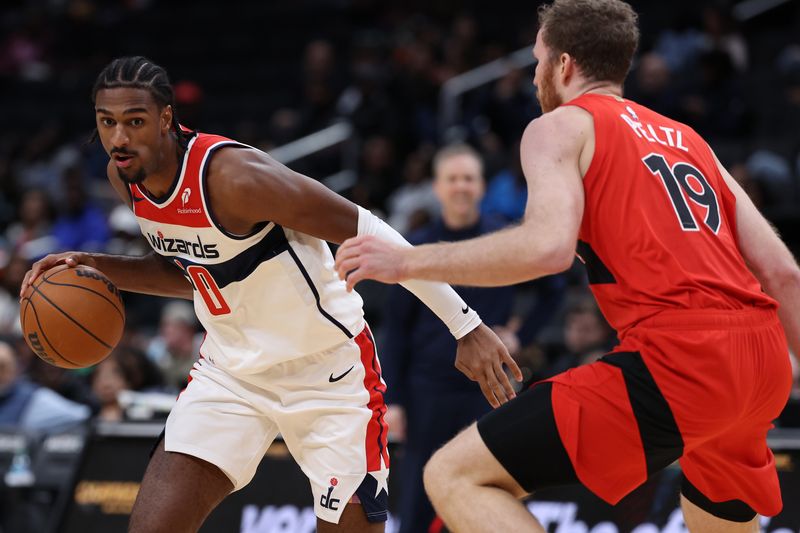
<point>441,474</point>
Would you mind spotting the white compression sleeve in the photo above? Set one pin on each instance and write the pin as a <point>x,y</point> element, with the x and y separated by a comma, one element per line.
<point>439,297</point>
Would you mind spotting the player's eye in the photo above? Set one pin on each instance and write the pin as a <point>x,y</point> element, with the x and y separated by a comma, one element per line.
<point>107,122</point>
<point>136,122</point>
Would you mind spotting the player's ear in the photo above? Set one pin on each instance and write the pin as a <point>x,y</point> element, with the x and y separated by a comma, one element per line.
<point>567,67</point>
<point>166,118</point>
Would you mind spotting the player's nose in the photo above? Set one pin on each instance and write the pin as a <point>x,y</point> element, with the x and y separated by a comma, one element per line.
<point>119,137</point>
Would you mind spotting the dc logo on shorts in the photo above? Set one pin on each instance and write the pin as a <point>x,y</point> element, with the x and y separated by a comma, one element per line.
<point>326,501</point>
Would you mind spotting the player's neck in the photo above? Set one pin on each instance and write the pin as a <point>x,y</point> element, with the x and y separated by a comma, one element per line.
<point>170,158</point>
<point>601,87</point>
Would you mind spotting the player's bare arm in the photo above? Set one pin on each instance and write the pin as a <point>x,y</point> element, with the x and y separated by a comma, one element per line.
<point>247,187</point>
<point>147,274</point>
<point>556,150</point>
<point>769,259</point>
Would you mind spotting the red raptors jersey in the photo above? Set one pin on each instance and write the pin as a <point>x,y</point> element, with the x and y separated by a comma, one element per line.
<point>659,225</point>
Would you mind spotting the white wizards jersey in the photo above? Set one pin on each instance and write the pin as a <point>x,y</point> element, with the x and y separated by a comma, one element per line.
<point>263,298</point>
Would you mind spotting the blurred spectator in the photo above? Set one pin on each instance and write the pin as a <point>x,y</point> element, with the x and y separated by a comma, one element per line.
<point>125,369</point>
<point>126,236</point>
<point>753,187</point>
<point>680,45</point>
<point>780,118</point>
<point>321,85</point>
<point>11,277</point>
<point>770,180</point>
<point>44,158</point>
<point>82,225</point>
<point>25,51</point>
<point>378,173</point>
<point>713,102</point>
<point>177,346</point>
<point>651,85</point>
<point>366,101</point>
<point>29,406</point>
<point>418,79</point>
<point>508,106</point>
<point>587,336</point>
<point>418,352</point>
<point>508,191</point>
<point>414,203</point>
<point>31,237</point>
<point>721,34</point>
<point>460,49</point>
<point>70,384</point>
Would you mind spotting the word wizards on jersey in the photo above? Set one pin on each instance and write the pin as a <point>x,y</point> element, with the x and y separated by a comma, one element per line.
<point>263,298</point>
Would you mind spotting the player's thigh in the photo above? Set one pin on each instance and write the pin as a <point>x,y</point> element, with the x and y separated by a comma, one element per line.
<point>332,422</point>
<point>699,520</point>
<point>217,419</point>
<point>519,439</point>
<point>177,493</point>
<point>466,461</point>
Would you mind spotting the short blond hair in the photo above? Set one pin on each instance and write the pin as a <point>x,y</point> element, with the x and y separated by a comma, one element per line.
<point>452,150</point>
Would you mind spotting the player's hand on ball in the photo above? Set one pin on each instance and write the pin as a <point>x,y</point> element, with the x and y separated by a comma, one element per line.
<point>481,356</point>
<point>369,257</point>
<point>71,259</point>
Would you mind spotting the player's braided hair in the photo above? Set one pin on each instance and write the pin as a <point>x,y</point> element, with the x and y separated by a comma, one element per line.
<point>138,72</point>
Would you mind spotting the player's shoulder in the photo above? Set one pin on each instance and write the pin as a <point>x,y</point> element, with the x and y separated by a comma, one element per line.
<point>238,164</point>
<point>566,125</point>
<point>240,175</point>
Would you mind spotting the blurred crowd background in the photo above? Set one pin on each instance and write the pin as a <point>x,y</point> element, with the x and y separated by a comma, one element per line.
<point>268,73</point>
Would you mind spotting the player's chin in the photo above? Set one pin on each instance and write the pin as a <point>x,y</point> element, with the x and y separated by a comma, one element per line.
<point>132,176</point>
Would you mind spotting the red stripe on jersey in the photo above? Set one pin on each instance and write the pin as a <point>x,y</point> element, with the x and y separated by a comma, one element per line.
<point>436,526</point>
<point>191,217</point>
<point>377,429</point>
<point>186,207</point>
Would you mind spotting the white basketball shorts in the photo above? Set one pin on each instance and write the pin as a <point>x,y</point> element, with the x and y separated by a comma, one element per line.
<point>328,407</point>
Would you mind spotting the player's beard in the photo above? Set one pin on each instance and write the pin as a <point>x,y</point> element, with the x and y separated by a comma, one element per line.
<point>546,93</point>
<point>138,177</point>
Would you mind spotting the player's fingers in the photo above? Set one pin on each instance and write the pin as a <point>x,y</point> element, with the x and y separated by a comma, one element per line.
<point>37,268</point>
<point>48,262</point>
<point>488,393</point>
<point>504,382</point>
<point>495,386</point>
<point>346,266</point>
<point>346,250</point>
<point>513,366</point>
<point>24,283</point>
<point>353,278</point>
<point>464,370</point>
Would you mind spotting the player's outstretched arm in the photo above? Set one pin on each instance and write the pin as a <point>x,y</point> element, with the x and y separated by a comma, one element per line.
<point>147,274</point>
<point>769,259</point>
<point>544,243</point>
<point>247,187</point>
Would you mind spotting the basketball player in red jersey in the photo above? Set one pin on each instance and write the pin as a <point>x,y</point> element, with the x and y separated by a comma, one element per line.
<point>702,292</point>
<point>287,350</point>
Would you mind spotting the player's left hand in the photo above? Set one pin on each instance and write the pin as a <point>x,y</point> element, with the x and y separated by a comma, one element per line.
<point>481,356</point>
<point>368,257</point>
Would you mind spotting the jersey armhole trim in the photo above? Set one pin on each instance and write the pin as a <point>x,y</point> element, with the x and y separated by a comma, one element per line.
<point>206,200</point>
<point>591,171</point>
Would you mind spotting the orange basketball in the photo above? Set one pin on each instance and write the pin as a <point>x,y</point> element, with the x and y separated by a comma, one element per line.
<point>72,317</point>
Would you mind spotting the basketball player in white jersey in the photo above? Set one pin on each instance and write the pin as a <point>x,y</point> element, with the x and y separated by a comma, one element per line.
<point>287,349</point>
